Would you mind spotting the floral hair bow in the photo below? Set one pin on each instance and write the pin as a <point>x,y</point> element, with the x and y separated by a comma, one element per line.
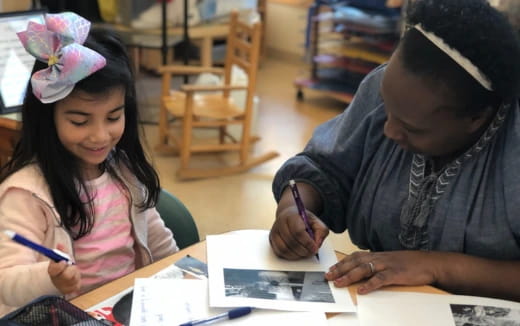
<point>59,44</point>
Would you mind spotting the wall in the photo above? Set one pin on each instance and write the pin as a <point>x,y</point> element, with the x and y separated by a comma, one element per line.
<point>285,28</point>
<point>14,5</point>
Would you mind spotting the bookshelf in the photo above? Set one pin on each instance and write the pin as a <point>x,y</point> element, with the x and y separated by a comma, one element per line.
<point>344,43</point>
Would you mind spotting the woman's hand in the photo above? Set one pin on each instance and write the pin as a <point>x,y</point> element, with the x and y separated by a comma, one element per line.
<point>66,278</point>
<point>288,236</point>
<point>385,268</point>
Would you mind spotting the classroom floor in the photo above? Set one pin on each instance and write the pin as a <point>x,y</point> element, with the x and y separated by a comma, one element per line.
<point>245,201</point>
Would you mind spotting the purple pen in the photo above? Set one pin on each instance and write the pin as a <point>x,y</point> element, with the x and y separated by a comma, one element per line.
<point>301,209</point>
<point>53,254</point>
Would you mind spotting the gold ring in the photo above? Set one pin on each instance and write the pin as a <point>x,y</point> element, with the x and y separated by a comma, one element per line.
<point>372,267</point>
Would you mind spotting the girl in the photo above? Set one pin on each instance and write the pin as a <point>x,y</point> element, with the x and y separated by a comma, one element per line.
<point>78,180</point>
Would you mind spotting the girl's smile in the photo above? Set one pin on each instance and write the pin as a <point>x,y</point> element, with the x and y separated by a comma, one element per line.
<point>90,126</point>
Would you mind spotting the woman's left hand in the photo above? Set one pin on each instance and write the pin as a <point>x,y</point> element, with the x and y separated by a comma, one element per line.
<point>385,268</point>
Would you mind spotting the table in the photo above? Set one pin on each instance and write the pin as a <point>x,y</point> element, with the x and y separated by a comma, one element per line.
<point>10,125</point>
<point>198,251</point>
<point>144,38</point>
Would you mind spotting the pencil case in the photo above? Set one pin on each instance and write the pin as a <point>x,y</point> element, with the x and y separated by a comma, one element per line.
<point>49,311</point>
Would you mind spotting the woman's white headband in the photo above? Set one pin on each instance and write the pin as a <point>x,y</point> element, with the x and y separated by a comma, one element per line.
<point>464,62</point>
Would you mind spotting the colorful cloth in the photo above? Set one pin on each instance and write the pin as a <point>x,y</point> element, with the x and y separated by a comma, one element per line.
<point>111,232</point>
<point>59,44</point>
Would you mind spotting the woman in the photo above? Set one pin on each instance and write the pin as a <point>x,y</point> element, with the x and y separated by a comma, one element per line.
<point>421,167</point>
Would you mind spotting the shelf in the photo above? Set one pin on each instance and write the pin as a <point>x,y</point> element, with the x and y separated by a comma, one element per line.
<point>321,88</point>
<point>364,20</point>
<point>296,3</point>
<point>355,51</point>
<point>354,65</point>
<point>344,44</point>
<point>338,83</point>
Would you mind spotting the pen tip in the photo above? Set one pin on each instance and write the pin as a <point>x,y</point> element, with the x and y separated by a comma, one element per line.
<point>9,233</point>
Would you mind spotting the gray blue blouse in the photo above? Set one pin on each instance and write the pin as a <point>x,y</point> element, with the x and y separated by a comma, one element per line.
<point>386,200</point>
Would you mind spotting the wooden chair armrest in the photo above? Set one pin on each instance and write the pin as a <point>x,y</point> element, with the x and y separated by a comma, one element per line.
<point>189,70</point>
<point>211,88</point>
<point>10,124</point>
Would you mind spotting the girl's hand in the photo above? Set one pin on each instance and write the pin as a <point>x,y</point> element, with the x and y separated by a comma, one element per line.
<point>288,236</point>
<point>66,278</point>
<point>386,268</point>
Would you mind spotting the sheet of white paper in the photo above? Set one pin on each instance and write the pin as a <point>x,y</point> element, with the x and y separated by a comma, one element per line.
<point>406,308</point>
<point>105,307</point>
<point>244,271</point>
<point>344,319</point>
<point>171,302</point>
<point>170,272</point>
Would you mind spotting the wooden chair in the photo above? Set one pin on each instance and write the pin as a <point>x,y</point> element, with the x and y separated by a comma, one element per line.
<point>9,135</point>
<point>216,111</point>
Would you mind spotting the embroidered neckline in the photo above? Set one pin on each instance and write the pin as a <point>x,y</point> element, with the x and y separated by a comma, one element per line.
<point>424,190</point>
<point>418,168</point>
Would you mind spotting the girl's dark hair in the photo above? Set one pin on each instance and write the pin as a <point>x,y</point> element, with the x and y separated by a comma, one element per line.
<point>481,34</point>
<point>39,141</point>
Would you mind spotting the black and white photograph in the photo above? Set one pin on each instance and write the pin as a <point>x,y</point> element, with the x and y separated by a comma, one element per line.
<point>478,315</point>
<point>277,285</point>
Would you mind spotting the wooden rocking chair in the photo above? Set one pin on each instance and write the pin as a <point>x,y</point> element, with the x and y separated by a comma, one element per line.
<point>212,110</point>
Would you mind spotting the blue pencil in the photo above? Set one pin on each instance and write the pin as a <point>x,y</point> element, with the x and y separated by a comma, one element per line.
<point>53,254</point>
<point>231,314</point>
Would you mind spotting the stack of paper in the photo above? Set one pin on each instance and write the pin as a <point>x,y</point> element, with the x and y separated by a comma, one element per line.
<point>244,271</point>
<point>172,302</point>
<point>406,308</point>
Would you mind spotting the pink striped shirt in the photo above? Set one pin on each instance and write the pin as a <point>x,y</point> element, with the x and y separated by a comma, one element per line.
<point>107,252</point>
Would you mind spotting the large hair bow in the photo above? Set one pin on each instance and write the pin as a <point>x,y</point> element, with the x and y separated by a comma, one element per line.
<point>59,44</point>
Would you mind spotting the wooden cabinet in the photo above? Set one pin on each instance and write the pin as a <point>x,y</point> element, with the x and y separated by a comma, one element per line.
<point>9,135</point>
